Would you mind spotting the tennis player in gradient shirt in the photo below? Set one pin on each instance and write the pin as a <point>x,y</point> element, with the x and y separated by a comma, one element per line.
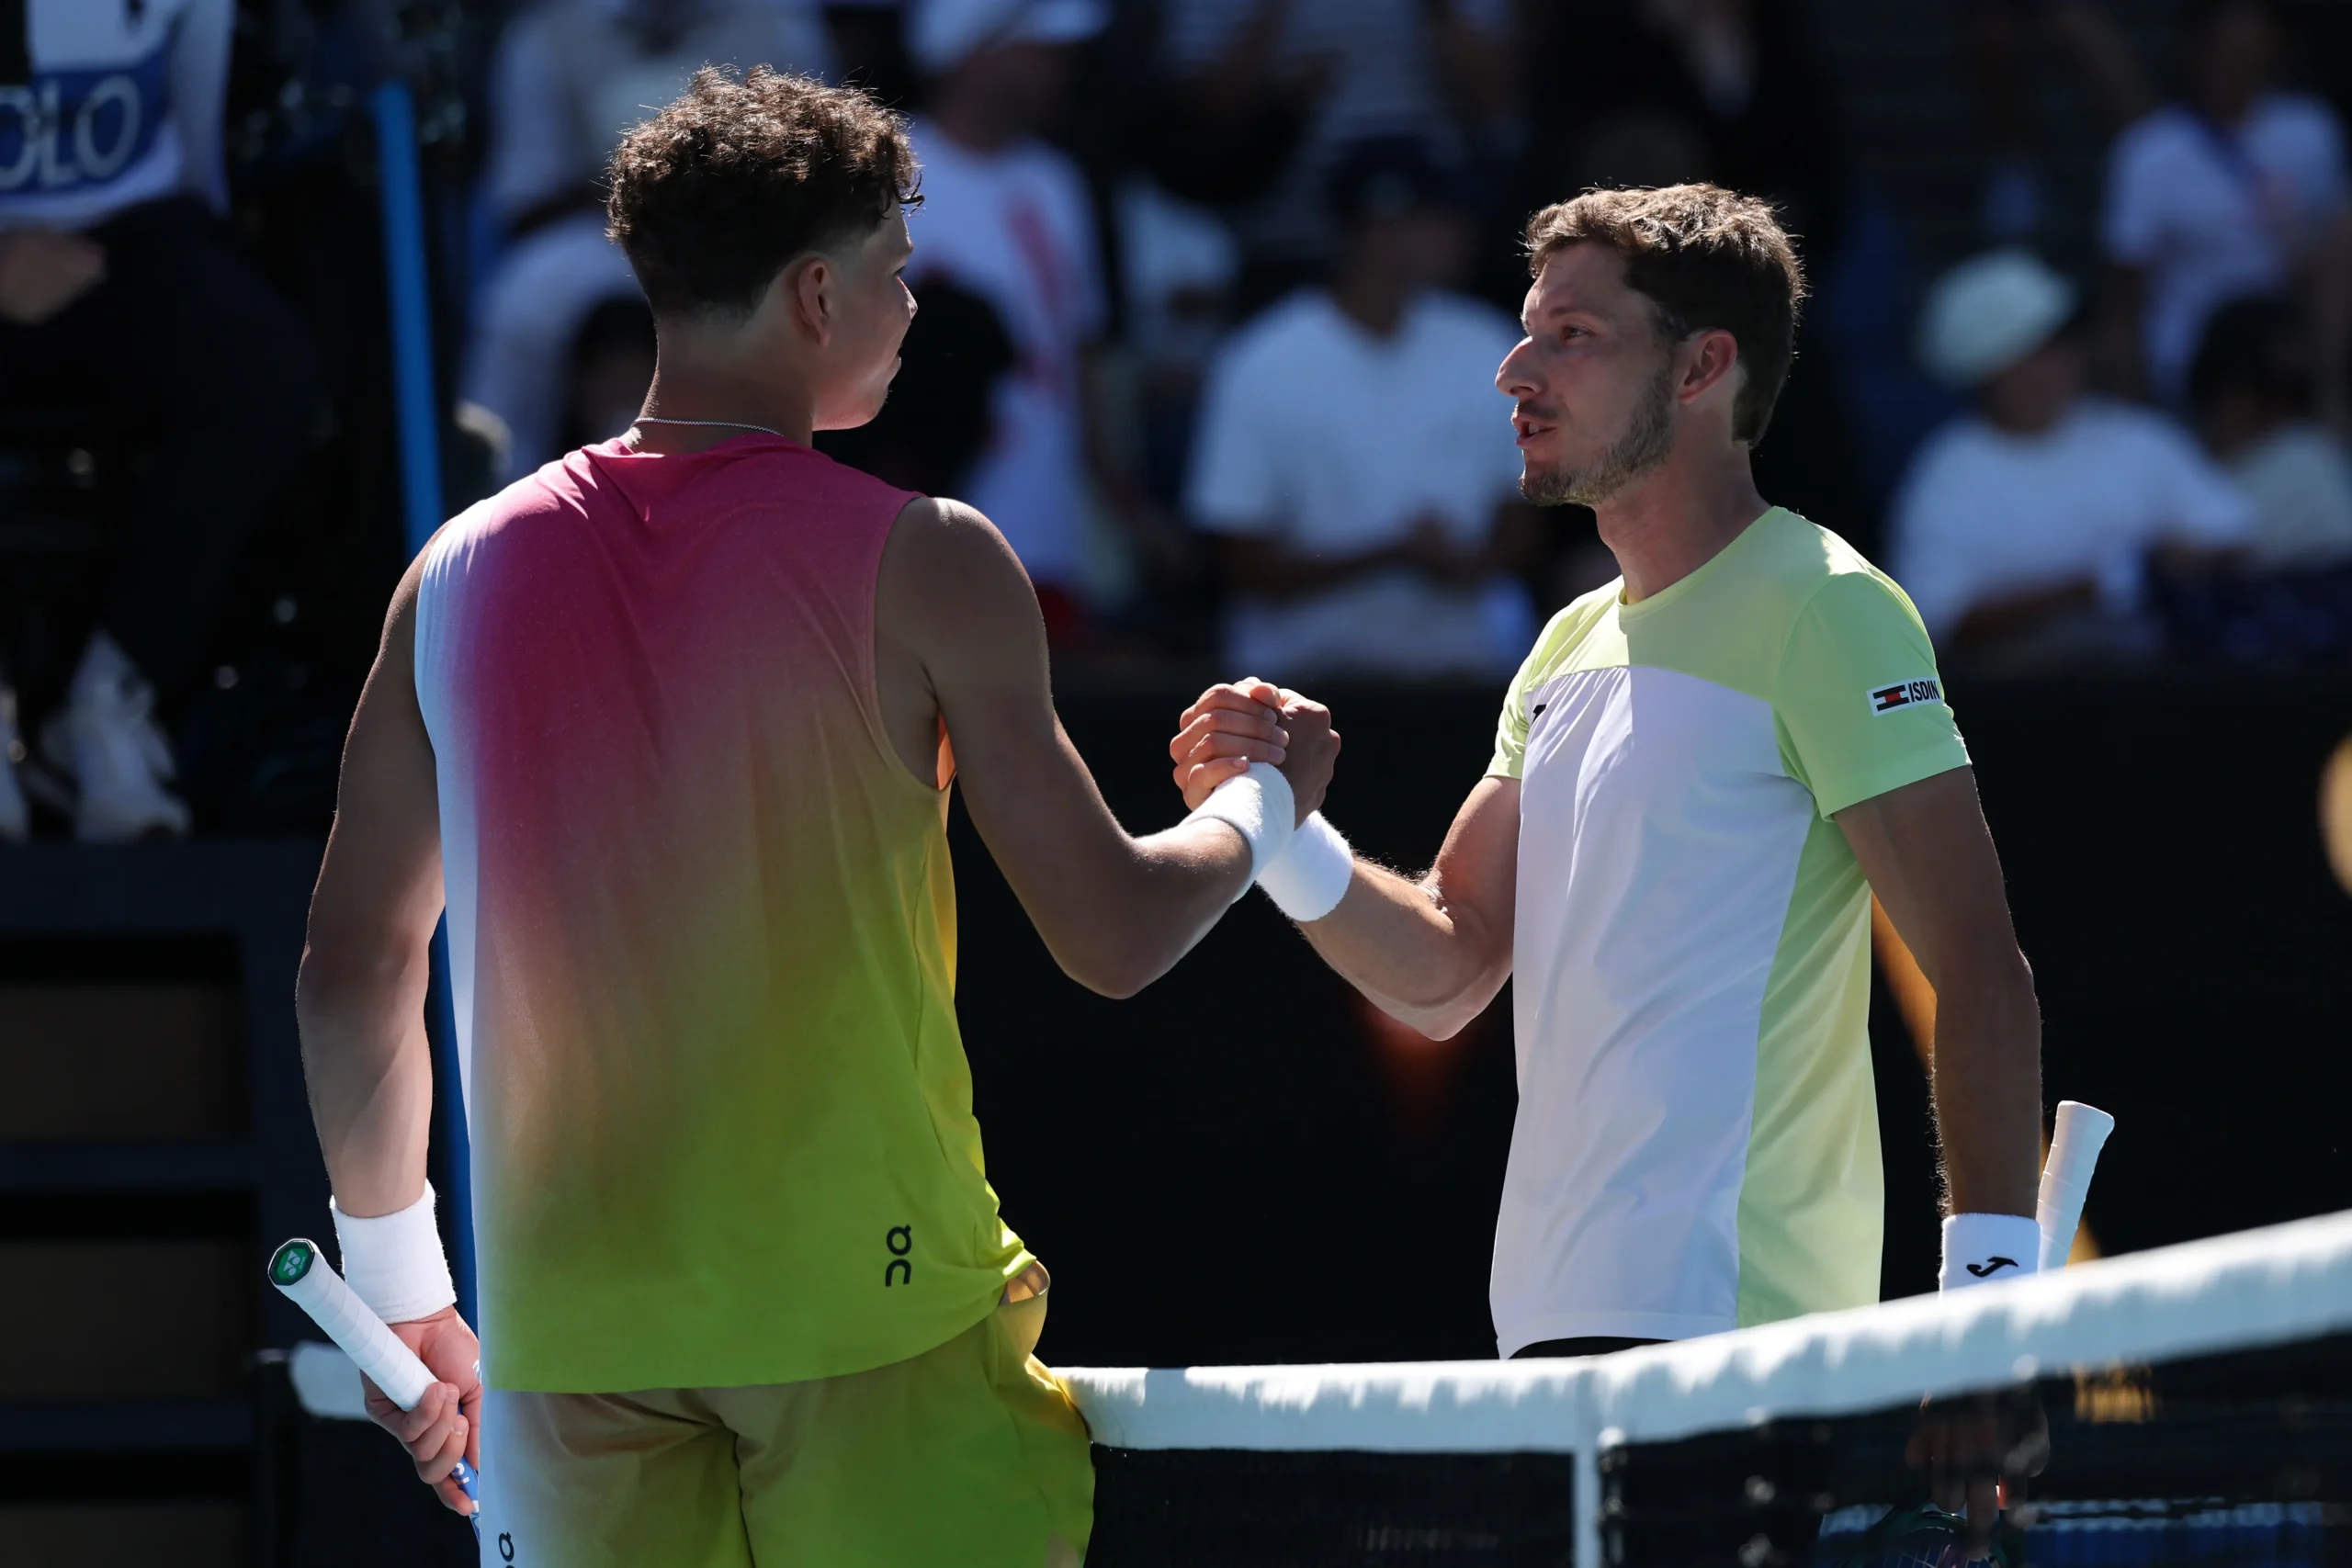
<point>668,727</point>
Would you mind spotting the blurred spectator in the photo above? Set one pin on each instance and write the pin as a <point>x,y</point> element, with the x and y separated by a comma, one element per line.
<point>571,75</point>
<point>2240,189</point>
<point>120,296</point>
<point>1266,92</point>
<point>2024,530</point>
<point>2251,384</point>
<point>1358,462</point>
<point>1998,35</point>
<point>1178,270</point>
<point>1009,218</point>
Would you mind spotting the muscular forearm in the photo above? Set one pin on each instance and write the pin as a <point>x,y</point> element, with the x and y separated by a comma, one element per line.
<point>370,1075</point>
<point>1987,1084</point>
<point>1177,885</point>
<point>1118,912</point>
<point>1419,959</point>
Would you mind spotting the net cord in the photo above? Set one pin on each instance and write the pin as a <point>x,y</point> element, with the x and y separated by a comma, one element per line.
<point>2259,1287</point>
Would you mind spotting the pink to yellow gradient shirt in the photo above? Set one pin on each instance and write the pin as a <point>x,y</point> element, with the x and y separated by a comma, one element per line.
<point>701,932</point>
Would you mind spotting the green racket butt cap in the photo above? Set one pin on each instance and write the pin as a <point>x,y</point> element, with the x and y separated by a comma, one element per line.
<point>292,1261</point>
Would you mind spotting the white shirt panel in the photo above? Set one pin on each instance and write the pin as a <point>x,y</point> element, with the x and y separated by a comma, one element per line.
<point>1661,798</point>
<point>453,765</point>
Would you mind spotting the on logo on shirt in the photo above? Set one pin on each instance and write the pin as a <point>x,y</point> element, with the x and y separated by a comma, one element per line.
<point>1904,695</point>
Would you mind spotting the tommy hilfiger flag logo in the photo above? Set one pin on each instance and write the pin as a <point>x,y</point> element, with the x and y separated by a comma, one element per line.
<point>1904,695</point>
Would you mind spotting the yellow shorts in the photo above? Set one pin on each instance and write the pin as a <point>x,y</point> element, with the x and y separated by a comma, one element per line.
<point>970,1455</point>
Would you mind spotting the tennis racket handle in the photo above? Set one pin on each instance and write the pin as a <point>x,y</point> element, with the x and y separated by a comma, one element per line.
<point>2074,1144</point>
<point>373,1348</point>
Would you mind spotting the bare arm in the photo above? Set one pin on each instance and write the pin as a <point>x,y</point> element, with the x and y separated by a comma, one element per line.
<point>957,611</point>
<point>360,998</point>
<point>1430,953</point>
<point>360,1002</point>
<point>1929,858</point>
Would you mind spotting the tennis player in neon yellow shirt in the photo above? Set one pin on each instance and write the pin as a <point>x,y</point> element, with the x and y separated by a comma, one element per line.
<point>1701,775</point>
<point>668,728</point>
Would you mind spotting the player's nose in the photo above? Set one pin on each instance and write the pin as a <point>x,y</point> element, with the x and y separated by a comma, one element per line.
<point>1516,377</point>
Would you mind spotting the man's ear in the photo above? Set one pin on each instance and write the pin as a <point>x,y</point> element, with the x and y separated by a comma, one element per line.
<point>1714,361</point>
<point>811,286</point>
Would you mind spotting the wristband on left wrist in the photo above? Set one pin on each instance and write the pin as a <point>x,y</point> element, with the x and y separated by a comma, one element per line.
<point>1982,1248</point>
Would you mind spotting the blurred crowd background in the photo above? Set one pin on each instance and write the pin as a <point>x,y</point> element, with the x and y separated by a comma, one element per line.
<point>1213,295</point>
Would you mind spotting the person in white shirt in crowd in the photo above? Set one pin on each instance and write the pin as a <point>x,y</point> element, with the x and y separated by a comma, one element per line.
<point>2251,384</point>
<point>570,76</point>
<point>1350,459</point>
<point>2024,530</point>
<point>121,294</point>
<point>1309,78</point>
<point>2239,188</point>
<point>1009,217</point>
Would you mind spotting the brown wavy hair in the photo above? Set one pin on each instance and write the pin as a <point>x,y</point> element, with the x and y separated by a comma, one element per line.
<point>1708,259</point>
<point>720,191</point>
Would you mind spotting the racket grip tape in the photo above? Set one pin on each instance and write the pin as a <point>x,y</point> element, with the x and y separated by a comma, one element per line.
<point>304,1278</point>
<point>2074,1143</point>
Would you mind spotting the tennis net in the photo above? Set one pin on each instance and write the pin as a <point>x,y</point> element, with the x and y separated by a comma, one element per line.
<point>2197,1402</point>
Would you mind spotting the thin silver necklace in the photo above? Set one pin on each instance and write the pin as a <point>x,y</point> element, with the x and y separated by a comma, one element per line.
<point>714,424</point>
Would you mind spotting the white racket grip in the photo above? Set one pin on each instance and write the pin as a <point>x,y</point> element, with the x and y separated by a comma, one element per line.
<point>2074,1144</point>
<point>373,1348</point>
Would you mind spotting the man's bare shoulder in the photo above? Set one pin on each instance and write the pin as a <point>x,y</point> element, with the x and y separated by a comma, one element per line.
<point>940,546</point>
<point>936,525</point>
<point>952,586</point>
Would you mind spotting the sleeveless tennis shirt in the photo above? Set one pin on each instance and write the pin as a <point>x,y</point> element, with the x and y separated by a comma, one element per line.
<point>701,932</point>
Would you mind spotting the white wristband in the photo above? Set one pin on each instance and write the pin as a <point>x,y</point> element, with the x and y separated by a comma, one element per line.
<point>1308,880</point>
<point>1981,1248</point>
<point>1260,806</point>
<point>393,1263</point>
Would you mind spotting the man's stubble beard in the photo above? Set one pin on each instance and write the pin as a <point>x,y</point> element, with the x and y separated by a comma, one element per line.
<point>1643,446</point>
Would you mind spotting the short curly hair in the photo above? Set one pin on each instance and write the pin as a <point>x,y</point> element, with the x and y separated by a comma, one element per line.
<point>1708,259</point>
<point>718,193</point>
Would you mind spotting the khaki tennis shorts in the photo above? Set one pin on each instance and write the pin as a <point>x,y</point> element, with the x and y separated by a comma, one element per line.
<point>970,1455</point>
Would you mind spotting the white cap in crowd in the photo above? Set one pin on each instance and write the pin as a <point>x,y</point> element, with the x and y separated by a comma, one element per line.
<point>1989,312</point>
<point>941,34</point>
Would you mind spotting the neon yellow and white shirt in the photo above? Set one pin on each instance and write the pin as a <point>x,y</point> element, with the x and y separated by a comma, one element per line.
<point>1697,1141</point>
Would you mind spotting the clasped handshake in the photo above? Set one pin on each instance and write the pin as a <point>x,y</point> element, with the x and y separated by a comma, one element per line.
<point>1248,721</point>
<point>1300,860</point>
